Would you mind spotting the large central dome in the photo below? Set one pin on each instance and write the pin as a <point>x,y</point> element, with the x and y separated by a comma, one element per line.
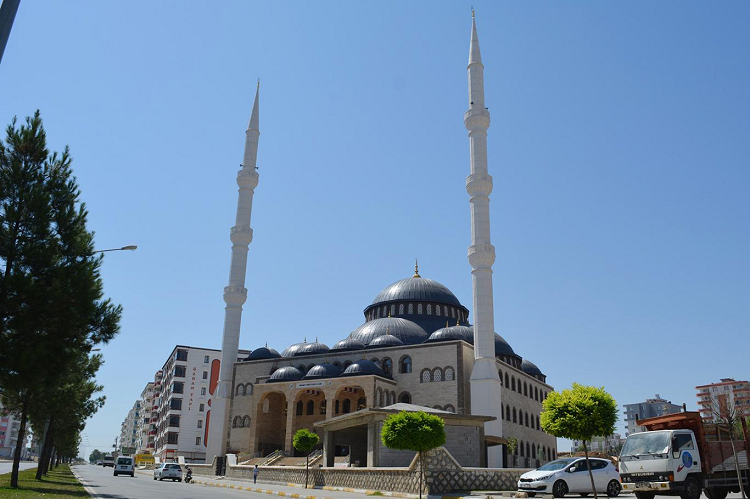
<point>417,289</point>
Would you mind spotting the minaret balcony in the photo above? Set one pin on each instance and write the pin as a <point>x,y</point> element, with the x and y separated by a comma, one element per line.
<point>481,256</point>
<point>235,295</point>
<point>477,118</point>
<point>247,178</point>
<point>479,184</point>
<point>241,235</point>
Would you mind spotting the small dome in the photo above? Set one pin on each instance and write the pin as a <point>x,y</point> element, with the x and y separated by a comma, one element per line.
<point>447,334</point>
<point>288,373</point>
<point>387,340</point>
<point>311,349</point>
<point>502,347</point>
<point>348,345</point>
<point>363,367</point>
<point>406,331</point>
<point>323,371</point>
<point>417,289</point>
<point>263,353</point>
<point>530,368</point>
<point>292,349</point>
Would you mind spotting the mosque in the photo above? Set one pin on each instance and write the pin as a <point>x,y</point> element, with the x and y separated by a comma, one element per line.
<point>418,347</point>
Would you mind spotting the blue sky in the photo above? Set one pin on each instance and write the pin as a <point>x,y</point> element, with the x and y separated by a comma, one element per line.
<point>619,149</point>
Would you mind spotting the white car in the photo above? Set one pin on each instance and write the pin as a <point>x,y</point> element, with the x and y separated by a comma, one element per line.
<point>169,471</point>
<point>566,475</point>
<point>125,465</point>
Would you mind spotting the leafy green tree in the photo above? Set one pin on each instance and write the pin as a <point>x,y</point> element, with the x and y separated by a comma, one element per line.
<point>512,446</point>
<point>96,455</point>
<point>414,431</point>
<point>580,413</point>
<point>51,307</point>
<point>305,441</point>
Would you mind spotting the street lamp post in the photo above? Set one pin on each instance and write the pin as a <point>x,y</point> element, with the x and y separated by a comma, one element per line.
<point>130,247</point>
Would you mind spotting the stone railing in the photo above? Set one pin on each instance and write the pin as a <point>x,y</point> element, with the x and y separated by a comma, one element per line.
<point>442,474</point>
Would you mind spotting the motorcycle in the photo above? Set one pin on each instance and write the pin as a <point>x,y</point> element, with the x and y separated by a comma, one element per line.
<point>189,476</point>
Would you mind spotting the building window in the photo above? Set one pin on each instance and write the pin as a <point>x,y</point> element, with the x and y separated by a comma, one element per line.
<point>437,309</point>
<point>536,394</point>
<point>453,313</point>
<point>378,313</point>
<point>411,309</point>
<point>404,398</point>
<point>205,359</point>
<point>405,366</point>
<point>175,404</point>
<point>197,440</point>
<point>203,390</point>
<point>310,408</point>
<point>337,407</point>
<point>387,366</point>
<point>506,380</point>
<point>182,355</point>
<point>526,417</point>
<point>205,374</point>
<point>201,407</point>
<point>240,390</point>
<point>178,387</point>
<point>437,375</point>
<point>179,371</point>
<point>246,421</point>
<point>515,419</point>
<point>385,310</point>
<point>513,383</point>
<point>419,309</point>
<point>537,423</point>
<point>266,407</point>
<point>525,389</point>
<point>200,423</point>
<point>450,408</point>
<point>347,363</point>
<point>174,420</point>
<point>429,309</point>
<point>323,407</point>
<point>361,403</point>
<point>300,408</point>
<point>448,374</point>
<point>401,309</point>
<point>172,437</point>
<point>426,376</point>
<point>393,309</point>
<point>347,406</point>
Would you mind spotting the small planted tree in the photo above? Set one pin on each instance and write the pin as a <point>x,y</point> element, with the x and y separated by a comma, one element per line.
<point>580,413</point>
<point>512,446</point>
<point>725,414</point>
<point>414,431</point>
<point>305,441</point>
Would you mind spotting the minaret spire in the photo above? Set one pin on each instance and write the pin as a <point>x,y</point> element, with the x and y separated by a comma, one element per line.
<point>484,383</point>
<point>235,293</point>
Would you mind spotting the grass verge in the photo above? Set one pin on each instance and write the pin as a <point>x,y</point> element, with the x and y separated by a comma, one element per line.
<point>59,483</point>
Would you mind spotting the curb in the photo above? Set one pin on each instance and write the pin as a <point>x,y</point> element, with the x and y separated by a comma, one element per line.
<point>88,489</point>
<point>258,490</point>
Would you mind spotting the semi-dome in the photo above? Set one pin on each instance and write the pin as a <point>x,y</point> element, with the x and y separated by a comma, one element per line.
<point>448,334</point>
<point>406,331</point>
<point>530,368</point>
<point>417,289</point>
<point>348,345</point>
<point>321,371</point>
<point>263,353</point>
<point>363,367</point>
<point>292,349</point>
<point>287,373</point>
<point>311,349</point>
<point>387,340</point>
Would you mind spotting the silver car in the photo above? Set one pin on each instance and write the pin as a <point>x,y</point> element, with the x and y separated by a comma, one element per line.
<point>571,474</point>
<point>171,471</point>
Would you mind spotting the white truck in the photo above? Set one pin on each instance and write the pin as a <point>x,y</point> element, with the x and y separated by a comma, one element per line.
<point>680,455</point>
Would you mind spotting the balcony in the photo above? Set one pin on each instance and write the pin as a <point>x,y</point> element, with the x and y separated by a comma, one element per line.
<point>152,432</point>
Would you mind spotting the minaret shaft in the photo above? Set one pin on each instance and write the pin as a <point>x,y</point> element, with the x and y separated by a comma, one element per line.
<point>485,383</point>
<point>235,293</point>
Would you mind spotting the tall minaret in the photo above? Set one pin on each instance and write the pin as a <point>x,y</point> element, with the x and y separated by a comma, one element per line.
<point>235,294</point>
<point>485,383</point>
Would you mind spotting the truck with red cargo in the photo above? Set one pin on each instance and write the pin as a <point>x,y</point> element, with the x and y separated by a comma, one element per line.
<point>680,454</point>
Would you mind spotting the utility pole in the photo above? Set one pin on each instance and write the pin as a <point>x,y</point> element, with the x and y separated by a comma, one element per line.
<point>7,14</point>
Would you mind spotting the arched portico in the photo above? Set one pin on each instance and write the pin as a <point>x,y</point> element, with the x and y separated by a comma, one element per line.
<point>270,423</point>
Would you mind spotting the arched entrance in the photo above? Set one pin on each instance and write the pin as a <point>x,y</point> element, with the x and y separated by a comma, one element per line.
<point>349,399</point>
<point>309,407</point>
<point>270,425</point>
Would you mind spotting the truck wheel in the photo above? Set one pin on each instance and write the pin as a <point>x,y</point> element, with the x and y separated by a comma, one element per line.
<point>613,488</point>
<point>716,493</point>
<point>559,489</point>
<point>692,489</point>
<point>645,495</point>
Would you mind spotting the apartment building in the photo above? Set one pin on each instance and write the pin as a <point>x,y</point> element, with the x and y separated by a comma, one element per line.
<point>650,408</point>
<point>611,444</point>
<point>181,404</point>
<point>145,443</point>
<point>722,397</point>
<point>130,428</point>
<point>9,426</point>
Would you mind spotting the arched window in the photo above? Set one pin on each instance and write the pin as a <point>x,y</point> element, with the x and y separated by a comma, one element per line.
<point>265,406</point>
<point>437,374</point>
<point>387,399</point>
<point>347,406</point>
<point>299,408</point>
<point>515,419</point>
<point>506,380</point>
<point>323,406</point>
<point>437,309</point>
<point>549,454</point>
<point>438,408</point>
<point>404,398</point>
<point>507,413</point>
<point>554,454</point>
<point>519,385</point>
<point>453,313</point>
<point>520,444</point>
<point>429,309</point>
<point>237,422</point>
<point>536,394</point>
<point>528,450</point>
<point>448,374</point>
<point>500,375</point>
<point>393,309</point>
<point>537,424</point>
<point>336,407</point>
<point>387,366</point>
<point>310,407</point>
<point>419,308</point>
<point>347,363</point>
<point>426,378</point>
<point>526,417</point>
<point>450,408</point>
<point>513,383</point>
<point>361,403</point>
<point>377,397</point>
<point>405,365</point>
<point>249,389</point>
<point>533,452</point>
<point>393,397</point>
<point>240,390</point>
<point>525,389</point>
<point>401,309</point>
<point>411,309</point>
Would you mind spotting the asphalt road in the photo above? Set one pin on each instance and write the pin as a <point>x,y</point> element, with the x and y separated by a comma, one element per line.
<point>103,484</point>
<point>7,466</point>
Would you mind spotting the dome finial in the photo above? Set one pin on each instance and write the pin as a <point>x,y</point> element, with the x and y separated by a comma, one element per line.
<point>305,341</point>
<point>416,268</point>
<point>472,12</point>
<point>316,339</point>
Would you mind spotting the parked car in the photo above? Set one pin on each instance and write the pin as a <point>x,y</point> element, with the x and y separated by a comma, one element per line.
<point>171,471</point>
<point>109,460</point>
<point>566,475</point>
<point>125,465</point>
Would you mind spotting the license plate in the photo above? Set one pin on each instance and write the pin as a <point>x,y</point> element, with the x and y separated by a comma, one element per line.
<point>525,486</point>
